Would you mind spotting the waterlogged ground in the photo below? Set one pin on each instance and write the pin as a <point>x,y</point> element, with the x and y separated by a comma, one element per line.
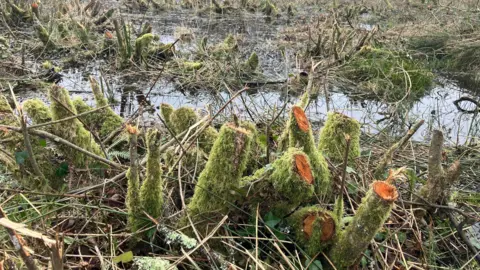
<point>256,33</point>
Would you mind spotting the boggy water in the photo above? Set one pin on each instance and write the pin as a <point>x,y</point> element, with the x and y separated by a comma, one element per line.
<point>259,34</point>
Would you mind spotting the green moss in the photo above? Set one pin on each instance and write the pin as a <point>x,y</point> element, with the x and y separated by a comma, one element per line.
<point>73,130</point>
<point>92,120</point>
<point>192,65</point>
<point>207,139</point>
<point>9,139</point>
<point>252,62</point>
<point>151,192</point>
<point>146,29</point>
<point>314,228</point>
<point>162,51</point>
<point>63,30</point>
<point>185,117</point>
<point>216,186</point>
<point>182,119</point>
<point>332,138</point>
<point>43,34</point>
<point>110,121</point>
<point>82,33</point>
<point>269,8</point>
<point>388,75</point>
<point>369,218</point>
<point>287,180</point>
<point>289,183</point>
<point>166,110</point>
<point>142,43</point>
<point>4,105</point>
<point>152,263</point>
<point>300,135</point>
<point>37,110</point>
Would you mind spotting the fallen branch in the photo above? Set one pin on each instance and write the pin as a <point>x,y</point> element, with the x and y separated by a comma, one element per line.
<point>17,240</point>
<point>57,139</point>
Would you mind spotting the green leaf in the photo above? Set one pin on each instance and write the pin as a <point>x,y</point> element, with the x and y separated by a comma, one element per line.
<point>20,157</point>
<point>401,237</point>
<point>350,170</point>
<point>316,265</point>
<point>42,142</point>
<point>352,188</point>
<point>62,170</point>
<point>271,220</point>
<point>68,240</point>
<point>380,236</point>
<point>124,258</point>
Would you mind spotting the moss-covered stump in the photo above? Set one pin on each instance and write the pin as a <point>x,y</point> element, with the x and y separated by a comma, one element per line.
<point>182,119</point>
<point>134,206</point>
<point>92,120</point>
<point>301,136</point>
<point>110,121</point>
<point>72,130</point>
<point>185,117</point>
<point>437,188</point>
<point>252,62</point>
<point>288,183</point>
<point>166,110</point>
<point>151,192</point>
<point>141,44</point>
<point>332,138</point>
<point>314,228</point>
<point>43,34</point>
<point>37,110</point>
<point>218,182</point>
<point>369,218</point>
<point>9,139</point>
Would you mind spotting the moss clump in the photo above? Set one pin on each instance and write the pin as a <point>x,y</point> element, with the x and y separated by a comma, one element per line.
<point>46,157</point>
<point>269,8</point>
<point>110,121</point>
<point>92,120</point>
<point>141,44</point>
<point>152,263</point>
<point>166,110</point>
<point>185,117</point>
<point>162,51</point>
<point>72,130</point>
<point>332,137</point>
<point>8,138</point>
<point>151,192</point>
<point>43,34</point>
<point>300,135</point>
<point>37,110</point>
<point>252,62</point>
<point>369,218</point>
<point>182,119</point>
<point>192,65</point>
<point>216,186</point>
<point>388,75</point>
<point>315,228</point>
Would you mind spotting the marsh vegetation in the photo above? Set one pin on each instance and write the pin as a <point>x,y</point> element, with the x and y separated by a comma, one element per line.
<point>270,134</point>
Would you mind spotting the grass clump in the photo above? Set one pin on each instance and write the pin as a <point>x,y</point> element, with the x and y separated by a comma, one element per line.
<point>388,75</point>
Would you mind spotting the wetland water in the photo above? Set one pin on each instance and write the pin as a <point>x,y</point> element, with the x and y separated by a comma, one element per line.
<point>256,34</point>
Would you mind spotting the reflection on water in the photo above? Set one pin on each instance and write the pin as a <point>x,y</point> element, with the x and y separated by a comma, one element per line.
<point>437,108</point>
